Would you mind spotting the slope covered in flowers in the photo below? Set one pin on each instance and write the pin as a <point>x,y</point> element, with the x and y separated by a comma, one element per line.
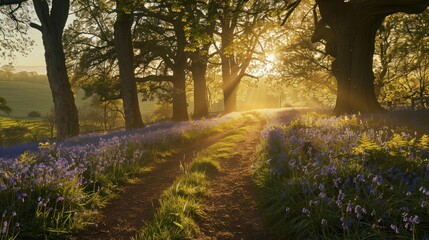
<point>349,177</point>
<point>56,188</point>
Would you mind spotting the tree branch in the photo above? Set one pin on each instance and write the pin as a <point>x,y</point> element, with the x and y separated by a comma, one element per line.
<point>11,2</point>
<point>154,78</point>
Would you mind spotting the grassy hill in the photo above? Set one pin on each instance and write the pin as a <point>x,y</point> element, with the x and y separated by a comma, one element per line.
<point>24,97</point>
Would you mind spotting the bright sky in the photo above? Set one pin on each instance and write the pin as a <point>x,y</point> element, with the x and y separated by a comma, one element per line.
<point>35,58</point>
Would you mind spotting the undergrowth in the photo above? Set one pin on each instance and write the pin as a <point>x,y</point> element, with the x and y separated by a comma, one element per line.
<point>344,178</point>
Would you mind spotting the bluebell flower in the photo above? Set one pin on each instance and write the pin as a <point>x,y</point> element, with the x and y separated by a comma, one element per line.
<point>394,228</point>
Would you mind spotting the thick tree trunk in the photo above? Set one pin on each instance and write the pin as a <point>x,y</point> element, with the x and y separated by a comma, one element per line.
<point>180,106</point>
<point>199,70</point>
<point>125,54</point>
<point>351,27</point>
<point>230,88</point>
<point>52,26</point>
<point>66,116</point>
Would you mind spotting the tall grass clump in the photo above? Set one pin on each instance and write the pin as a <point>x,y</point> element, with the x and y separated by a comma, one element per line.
<point>51,192</point>
<point>344,178</point>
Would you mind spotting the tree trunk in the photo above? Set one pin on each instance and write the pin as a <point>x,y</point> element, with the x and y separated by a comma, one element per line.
<point>52,26</point>
<point>180,106</point>
<point>199,70</point>
<point>229,71</point>
<point>125,54</point>
<point>66,116</point>
<point>353,26</point>
<point>230,95</point>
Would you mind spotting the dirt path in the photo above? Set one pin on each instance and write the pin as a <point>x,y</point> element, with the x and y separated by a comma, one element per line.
<point>231,208</point>
<point>125,216</point>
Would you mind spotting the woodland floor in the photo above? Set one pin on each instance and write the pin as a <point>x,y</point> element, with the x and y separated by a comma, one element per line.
<point>230,207</point>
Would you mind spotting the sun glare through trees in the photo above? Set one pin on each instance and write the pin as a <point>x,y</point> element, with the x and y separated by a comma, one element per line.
<point>208,119</point>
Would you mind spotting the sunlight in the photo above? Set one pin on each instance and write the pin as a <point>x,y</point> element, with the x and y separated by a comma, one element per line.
<point>269,62</point>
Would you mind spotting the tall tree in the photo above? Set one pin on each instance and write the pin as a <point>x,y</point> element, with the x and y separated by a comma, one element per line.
<point>167,20</point>
<point>3,107</point>
<point>125,54</point>
<point>350,27</point>
<point>241,24</point>
<point>201,26</point>
<point>53,17</point>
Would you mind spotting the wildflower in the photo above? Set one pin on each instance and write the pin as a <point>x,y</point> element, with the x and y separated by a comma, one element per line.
<point>408,226</point>
<point>339,203</point>
<point>423,204</point>
<point>287,209</point>
<point>408,193</point>
<point>306,212</point>
<point>322,195</point>
<point>4,229</point>
<point>349,207</point>
<point>415,219</point>
<point>14,213</point>
<point>346,222</point>
<point>394,228</point>
<point>377,180</point>
<point>324,222</point>
<point>60,199</point>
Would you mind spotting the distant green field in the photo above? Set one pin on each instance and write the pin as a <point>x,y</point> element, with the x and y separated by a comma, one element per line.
<point>24,97</point>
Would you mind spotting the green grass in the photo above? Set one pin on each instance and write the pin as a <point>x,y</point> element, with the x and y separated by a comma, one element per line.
<point>180,204</point>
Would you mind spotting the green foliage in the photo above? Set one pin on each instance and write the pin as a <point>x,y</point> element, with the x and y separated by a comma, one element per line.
<point>3,107</point>
<point>34,114</point>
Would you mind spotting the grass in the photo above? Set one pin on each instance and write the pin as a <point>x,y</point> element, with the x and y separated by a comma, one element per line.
<point>56,191</point>
<point>344,178</point>
<point>180,205</point>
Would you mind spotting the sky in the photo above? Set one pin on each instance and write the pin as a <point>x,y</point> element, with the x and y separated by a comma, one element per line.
<point>35,58</point>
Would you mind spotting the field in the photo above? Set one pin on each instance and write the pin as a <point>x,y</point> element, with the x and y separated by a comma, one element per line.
<point>263,174</point>
<point>24,97</point>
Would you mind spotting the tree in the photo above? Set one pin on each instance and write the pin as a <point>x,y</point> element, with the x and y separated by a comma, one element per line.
<point>34,114</point>
<point>9,69</point>
<point>201,26</point>
<point>241,24</point>
<point>166,20</point>
<point>13,35</point>
<point>3,107</point>
<point>349,28</point>
<point>125,54</point>
<point>302,73</point>
<point>53,17</point>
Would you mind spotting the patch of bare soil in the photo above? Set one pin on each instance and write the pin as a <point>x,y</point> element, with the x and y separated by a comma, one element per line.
<point>126,215</point>
<point>231,210</point>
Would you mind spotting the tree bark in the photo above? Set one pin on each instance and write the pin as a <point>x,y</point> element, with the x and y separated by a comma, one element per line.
<point>229,71</point>
<point>125,55</point>
<point>180,105</point>
<point>199,70</point>
<point>52,26</point>
<point>350,32</point>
